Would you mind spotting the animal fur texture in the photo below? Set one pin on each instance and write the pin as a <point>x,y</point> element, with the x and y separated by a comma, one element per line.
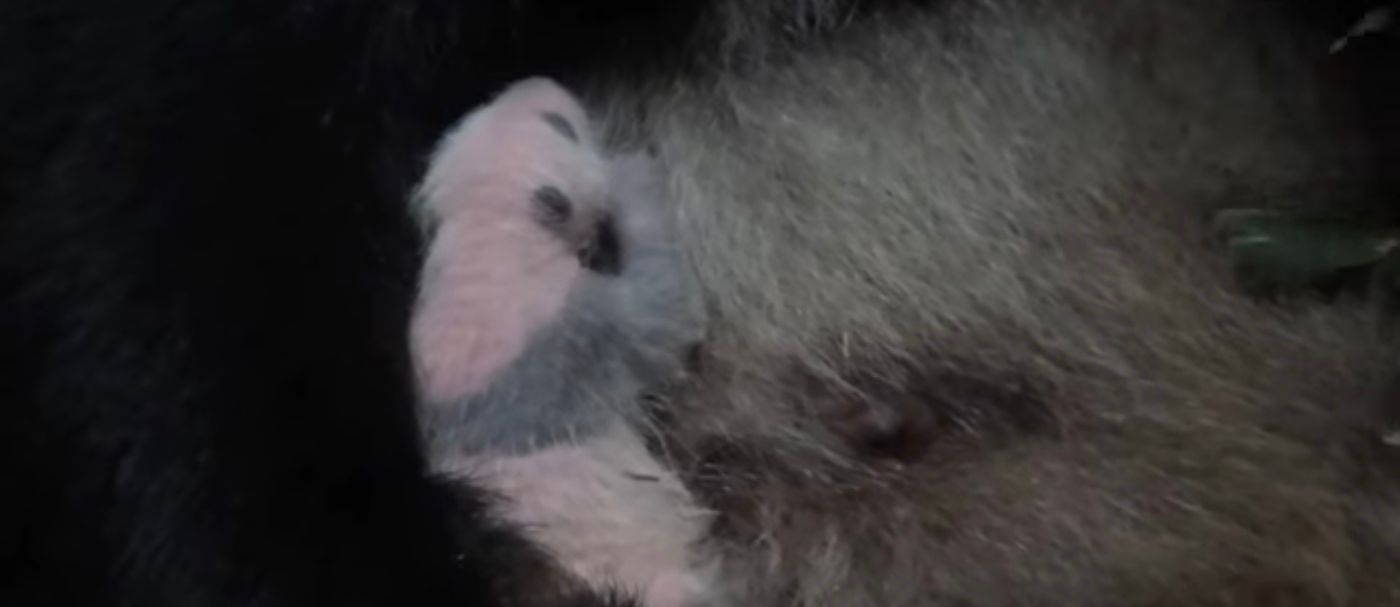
<point>970,341</point>
<point>967,340</point>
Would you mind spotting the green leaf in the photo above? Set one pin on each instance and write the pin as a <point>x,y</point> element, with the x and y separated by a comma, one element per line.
<point>1279,251</point>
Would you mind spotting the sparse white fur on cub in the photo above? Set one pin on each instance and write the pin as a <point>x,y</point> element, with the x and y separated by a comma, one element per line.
<point>553,297</point>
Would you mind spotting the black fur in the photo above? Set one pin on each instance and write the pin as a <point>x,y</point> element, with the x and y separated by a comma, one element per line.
<point>205,275</point>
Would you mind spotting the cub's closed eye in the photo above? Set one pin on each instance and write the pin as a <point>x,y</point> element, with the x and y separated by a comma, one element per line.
<point>552,206</point>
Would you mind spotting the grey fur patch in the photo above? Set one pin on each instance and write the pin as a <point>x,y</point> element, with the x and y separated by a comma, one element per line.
<point>545,397</point>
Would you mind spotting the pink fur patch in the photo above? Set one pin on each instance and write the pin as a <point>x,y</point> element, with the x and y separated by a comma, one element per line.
<point>608,510</point>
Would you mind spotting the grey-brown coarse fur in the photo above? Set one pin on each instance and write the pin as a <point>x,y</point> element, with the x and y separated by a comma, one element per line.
<point>992,216</point>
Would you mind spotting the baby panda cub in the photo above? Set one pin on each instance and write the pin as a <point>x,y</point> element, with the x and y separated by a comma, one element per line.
<point>553,297</point>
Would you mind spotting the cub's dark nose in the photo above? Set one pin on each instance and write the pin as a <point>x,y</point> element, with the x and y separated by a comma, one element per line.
<point>602,252</point>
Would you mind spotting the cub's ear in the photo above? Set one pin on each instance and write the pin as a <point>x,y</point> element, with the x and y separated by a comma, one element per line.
<point>533,134</point>
<point>547,101</point>
<point>532,120</point>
